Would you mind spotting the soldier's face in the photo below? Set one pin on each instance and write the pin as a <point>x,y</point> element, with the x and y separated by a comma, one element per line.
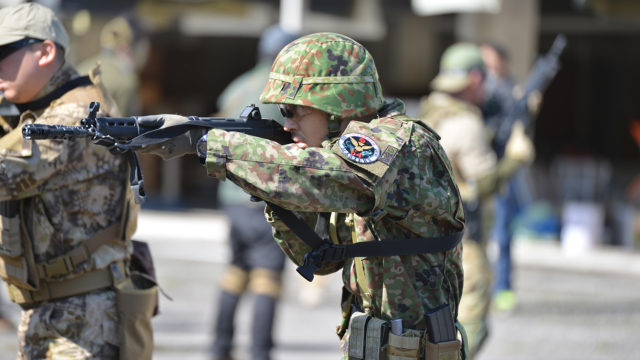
<point>21,74</point>
<point>308,126</point>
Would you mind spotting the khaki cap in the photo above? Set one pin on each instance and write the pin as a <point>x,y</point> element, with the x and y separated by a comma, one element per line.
<point>31,20</point>
<point>456,63</point>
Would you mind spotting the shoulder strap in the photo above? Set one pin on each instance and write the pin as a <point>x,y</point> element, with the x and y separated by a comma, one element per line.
<point>322,250</point>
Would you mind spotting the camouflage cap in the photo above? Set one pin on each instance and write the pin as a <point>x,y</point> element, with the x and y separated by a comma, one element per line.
<point>456,63</point>
<point>326,71</point>
<point>31,20</point>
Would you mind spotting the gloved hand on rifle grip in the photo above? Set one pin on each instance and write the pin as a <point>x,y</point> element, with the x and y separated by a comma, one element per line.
<point>175,147</point>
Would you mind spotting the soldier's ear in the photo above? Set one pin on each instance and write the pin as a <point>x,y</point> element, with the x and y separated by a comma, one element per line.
<point>48,52</point>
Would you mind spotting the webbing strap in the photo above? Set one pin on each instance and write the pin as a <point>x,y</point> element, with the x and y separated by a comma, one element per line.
<point>325,251</point>
<point>350,79</point>
<point>65,264</point>
<point>87,282</point>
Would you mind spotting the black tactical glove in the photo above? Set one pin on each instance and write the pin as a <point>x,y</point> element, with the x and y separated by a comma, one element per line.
<point>177,146</point>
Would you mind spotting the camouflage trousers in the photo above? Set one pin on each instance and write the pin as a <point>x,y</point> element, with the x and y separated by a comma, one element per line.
<point>476,294</point>
<point>77,327</point>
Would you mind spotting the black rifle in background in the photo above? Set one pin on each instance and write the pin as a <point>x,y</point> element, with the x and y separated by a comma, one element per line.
<point>126,134</point>
<point>544,70</point>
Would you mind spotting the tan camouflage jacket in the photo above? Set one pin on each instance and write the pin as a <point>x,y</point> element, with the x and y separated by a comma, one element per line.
<point>464,138</point>
<point>72,189</point>
<point>410,182</point>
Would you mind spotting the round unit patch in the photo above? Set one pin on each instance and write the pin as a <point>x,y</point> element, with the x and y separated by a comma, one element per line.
<point>359,148</point>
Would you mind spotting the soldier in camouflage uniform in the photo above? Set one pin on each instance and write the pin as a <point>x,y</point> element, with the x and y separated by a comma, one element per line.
<point>382,177</point>
<point>453,111</point>
<point>65,206</point>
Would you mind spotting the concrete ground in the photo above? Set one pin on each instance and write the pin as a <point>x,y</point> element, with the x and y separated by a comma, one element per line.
<point>569,307</point>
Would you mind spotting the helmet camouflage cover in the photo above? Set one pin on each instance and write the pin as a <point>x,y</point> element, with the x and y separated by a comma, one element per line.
<point>326,71</point>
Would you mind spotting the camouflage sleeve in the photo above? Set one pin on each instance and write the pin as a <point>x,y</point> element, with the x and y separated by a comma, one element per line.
<point>307,180</point>
<point>29,175</point>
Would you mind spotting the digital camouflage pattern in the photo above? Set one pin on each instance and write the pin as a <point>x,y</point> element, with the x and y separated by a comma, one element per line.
<point>75,190</point>
<point>326,71</point>
<point>76,186</point>
<point>413,185</point>
<point>78,327</point>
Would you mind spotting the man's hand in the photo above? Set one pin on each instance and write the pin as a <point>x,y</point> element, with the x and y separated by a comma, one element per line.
<point>519,146</point>
<point>175,147</point>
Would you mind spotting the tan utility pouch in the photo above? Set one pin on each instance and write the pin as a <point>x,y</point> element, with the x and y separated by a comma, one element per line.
<point>367,337</point>
<point>406,346</point>
<point>137,297</point>
<point>14,268</point>
<point>137,301</point>
<point>449,350</point>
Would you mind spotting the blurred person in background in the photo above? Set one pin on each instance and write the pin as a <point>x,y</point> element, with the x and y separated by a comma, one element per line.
<point>453,110</point>
<point>66,208</point>
<point>500,88</point>
<point>256,260</point>
<point>123,51</point>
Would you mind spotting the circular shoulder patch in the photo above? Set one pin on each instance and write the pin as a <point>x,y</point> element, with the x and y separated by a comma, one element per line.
<point>359,148</point>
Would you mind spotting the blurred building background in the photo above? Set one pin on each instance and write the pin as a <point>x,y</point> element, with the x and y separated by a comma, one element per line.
<point>587,158</point>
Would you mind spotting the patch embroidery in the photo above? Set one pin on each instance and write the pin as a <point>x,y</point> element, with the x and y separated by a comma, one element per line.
<point>359,148</point>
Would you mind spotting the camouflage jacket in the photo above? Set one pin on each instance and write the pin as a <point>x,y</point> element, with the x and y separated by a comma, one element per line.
<point>72,189</point>
<point>410,183</point>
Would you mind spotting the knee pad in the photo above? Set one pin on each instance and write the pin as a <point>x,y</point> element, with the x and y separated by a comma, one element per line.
<point>265,282</point>
<point>234,280</point>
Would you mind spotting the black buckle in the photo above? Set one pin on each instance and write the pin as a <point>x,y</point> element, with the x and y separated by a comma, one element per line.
<point>314,258</point>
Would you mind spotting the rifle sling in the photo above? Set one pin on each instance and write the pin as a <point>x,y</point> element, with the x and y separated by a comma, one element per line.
<point>322,250</point>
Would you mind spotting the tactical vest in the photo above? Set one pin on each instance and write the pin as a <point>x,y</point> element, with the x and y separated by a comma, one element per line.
<point>29,281</point>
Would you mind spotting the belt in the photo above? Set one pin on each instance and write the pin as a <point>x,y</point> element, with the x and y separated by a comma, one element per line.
<point>51,290</point>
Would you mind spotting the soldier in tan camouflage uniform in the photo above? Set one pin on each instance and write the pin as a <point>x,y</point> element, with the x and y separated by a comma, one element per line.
<point>375,175</point>
<point>452,110</point>
<point>66,212</point>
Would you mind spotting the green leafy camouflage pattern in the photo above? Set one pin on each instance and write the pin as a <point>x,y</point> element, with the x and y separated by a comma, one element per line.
<point>472,159</point>
<point>79,327</point>
<point>414,188</point>
<point>326,71</point>
<point>75,190</point>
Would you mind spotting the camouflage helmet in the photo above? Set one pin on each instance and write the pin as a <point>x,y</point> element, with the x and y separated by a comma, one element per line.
<point>326,71</point>
<point>457,61</point>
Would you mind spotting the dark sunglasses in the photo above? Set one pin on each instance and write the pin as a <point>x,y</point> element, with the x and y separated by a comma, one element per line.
<point>285,111</point>
<point>8,49</point>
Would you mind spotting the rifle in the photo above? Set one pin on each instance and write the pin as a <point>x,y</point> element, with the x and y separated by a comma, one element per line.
<point>543,72</point>
<point>124,135</point>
